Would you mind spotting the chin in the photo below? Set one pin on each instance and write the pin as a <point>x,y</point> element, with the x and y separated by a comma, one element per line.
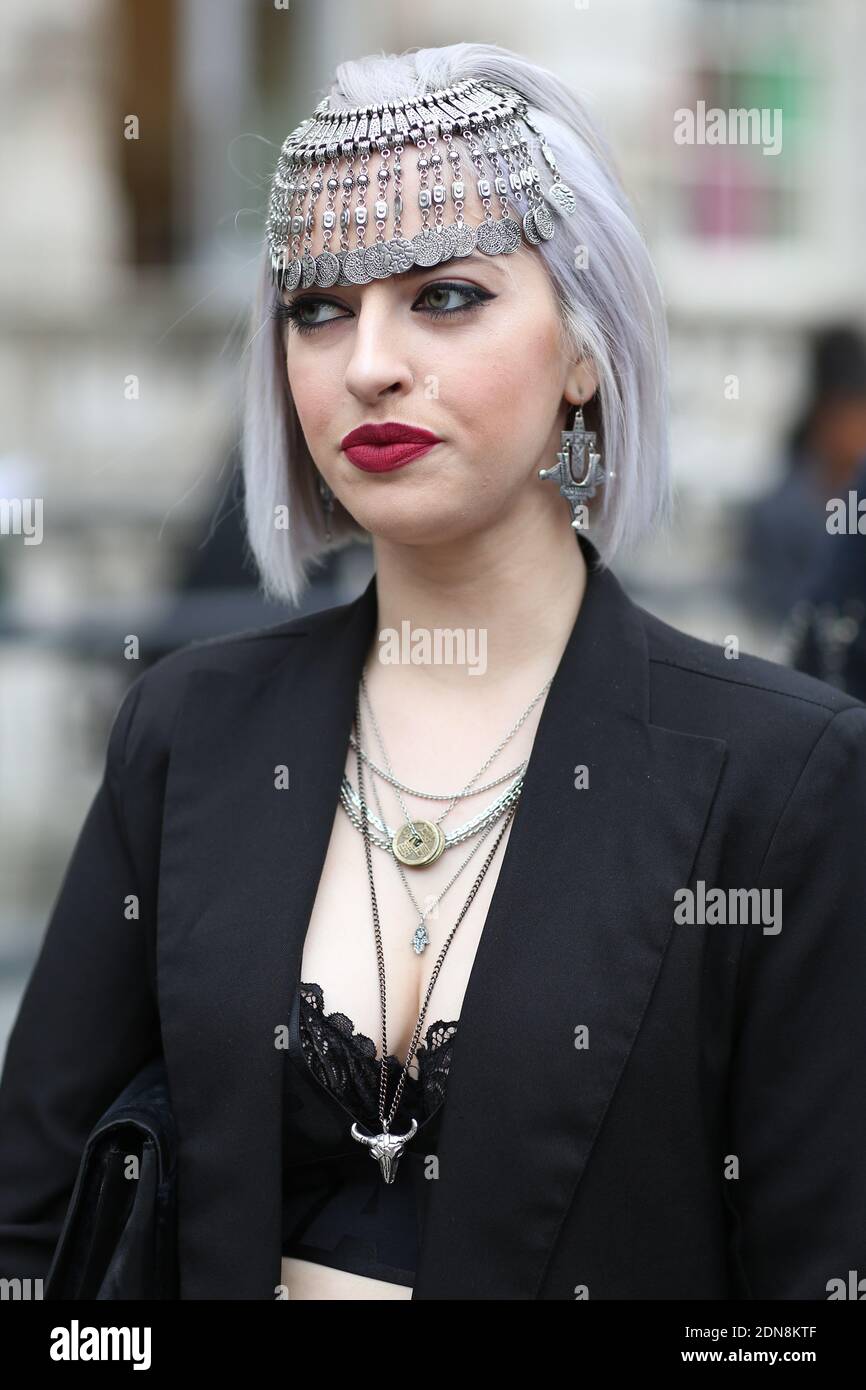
<point>415,525</point>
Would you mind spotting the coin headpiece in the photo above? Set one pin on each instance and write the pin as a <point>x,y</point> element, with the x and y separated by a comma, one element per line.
<point>492,122</point>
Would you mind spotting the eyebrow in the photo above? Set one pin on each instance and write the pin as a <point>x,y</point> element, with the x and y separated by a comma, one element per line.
<point>474,259</point>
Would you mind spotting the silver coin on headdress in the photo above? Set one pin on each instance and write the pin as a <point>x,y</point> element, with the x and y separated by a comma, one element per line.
<point>529,228</point>
<point>448,238</point>
<point>355,267</point>
<point>511,234</point>
<point>291,276</point>
<point>327,269</point>
<point>560,194</point>
<point>402,254</point>
<point>308,270</point>
<point>446,242</point>
<point>378,261</point>
<point>428,247</point>
<point>490,238</point>
<point>544,223</point>
<point>464,239</point>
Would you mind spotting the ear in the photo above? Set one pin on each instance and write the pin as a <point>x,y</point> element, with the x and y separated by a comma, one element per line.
<point>581,383</point>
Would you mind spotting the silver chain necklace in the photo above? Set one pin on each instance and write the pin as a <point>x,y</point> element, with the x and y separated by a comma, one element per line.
<point>436,796</point>
<point>386,1148</point>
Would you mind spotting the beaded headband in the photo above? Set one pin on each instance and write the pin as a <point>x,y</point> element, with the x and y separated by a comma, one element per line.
<point>484,114</point>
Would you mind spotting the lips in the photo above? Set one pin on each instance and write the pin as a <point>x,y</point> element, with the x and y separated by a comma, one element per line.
<point>379,448</point>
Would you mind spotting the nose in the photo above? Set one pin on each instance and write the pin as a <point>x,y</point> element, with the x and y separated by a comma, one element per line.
<point>379,361</point>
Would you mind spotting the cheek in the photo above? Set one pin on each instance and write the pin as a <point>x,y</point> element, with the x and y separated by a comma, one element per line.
<point>516,390</point>
<point>313,396</point>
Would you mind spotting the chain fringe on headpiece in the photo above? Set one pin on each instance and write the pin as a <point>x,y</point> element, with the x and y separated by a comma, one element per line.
<point>486,115</point>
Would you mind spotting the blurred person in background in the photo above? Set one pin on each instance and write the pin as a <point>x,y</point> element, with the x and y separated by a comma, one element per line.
<point>602,1040</point>
<point>826,629</point>
<point>786,545</point>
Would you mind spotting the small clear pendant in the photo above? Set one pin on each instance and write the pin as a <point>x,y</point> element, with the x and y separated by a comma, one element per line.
<point>420,939</point>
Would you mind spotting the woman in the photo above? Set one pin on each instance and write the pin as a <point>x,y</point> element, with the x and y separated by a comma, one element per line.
<point>639,1073</point>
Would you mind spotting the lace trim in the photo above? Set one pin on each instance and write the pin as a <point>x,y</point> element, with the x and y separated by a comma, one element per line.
<point>347,1064</point>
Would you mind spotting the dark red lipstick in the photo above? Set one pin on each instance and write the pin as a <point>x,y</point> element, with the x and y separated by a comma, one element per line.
<point>379,448</point>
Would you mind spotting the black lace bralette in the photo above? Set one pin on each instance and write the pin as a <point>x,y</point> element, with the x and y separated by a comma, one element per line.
<point>346,1062</point>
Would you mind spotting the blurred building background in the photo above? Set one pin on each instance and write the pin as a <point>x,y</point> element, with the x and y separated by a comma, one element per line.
<point>136,147</point>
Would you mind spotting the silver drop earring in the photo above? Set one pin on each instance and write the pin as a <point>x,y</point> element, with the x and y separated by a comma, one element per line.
<point>327,506</point>
<point>579,468</point>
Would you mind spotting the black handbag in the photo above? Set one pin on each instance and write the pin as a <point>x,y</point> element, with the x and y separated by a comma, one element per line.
<point>119,1235</point>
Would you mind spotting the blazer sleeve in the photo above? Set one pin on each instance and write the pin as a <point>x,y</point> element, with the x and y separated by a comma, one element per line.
<point>798,1081</point>
<point>86,1024</point>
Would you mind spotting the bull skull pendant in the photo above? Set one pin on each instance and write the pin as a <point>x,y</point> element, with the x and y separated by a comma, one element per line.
<point>385,1147</point>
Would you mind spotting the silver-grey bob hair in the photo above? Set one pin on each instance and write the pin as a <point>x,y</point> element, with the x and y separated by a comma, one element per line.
<point>611,309</point>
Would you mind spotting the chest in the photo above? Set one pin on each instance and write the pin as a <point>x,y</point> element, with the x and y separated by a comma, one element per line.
<point>339,949</point>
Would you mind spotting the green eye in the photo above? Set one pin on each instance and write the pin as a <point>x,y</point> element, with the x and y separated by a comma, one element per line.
<point>473,294</point>
<point>313,304</point>
<point>442,291</point>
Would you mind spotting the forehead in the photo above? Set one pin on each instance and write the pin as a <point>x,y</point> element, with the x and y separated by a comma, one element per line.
<point>341,204</point>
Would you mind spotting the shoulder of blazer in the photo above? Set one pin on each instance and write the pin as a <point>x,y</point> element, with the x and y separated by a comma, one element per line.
<point>145,720</point>
<point>693,657</point>
<point>771,717</point>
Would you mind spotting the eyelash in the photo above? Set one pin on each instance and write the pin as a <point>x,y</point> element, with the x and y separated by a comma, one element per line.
<point>291,312</point>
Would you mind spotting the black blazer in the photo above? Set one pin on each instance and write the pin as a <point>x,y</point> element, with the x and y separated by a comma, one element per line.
<point>606,1168</point>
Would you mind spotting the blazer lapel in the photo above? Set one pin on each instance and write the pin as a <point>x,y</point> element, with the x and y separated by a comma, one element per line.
<point>574,937</point>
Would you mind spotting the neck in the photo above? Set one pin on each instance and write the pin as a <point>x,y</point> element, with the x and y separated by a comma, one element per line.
<point>511,595</point>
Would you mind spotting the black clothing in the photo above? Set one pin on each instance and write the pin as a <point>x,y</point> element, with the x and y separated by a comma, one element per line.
<point>337,1208</point>
<point>638,1105</point>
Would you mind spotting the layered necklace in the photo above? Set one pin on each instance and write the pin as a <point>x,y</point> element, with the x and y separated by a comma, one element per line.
<point>416,844</point>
